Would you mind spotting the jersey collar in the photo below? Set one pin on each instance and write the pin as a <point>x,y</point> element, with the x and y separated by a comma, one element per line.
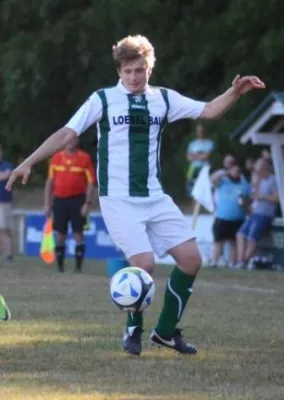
<point>122,88</point>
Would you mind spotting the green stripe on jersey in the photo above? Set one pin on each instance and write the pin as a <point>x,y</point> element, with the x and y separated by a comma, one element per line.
<point>103,146</point>
<point>164,93</point>
<point>139,130</point>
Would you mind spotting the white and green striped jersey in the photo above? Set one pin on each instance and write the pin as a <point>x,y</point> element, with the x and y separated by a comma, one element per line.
<point>129,135</point>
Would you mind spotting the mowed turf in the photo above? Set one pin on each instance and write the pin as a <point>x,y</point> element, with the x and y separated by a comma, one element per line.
<point>64,341</point>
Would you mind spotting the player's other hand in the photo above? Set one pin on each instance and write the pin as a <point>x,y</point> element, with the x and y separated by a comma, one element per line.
<point>85,210</point>
<point>22,172</point>
<point>244,84</point>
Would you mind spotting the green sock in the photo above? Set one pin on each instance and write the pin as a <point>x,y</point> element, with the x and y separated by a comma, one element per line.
<point>178,291</point>
<point>134,319</point>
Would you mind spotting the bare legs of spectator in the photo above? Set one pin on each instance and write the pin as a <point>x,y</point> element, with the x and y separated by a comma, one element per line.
<point>7,246</point>
<point>217,252</point>
<point>241,247</point>
<point>233,252</point>
<point>246,249</point>
<point>250,250</point>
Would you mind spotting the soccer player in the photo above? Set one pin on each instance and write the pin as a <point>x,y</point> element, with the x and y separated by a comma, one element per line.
<point>140,217</point>
<point>68,194</point>
<point>5,314</point>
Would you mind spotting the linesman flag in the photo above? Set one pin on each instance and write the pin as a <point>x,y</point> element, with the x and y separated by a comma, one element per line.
<point>47,248</point>
<point>202,189</point>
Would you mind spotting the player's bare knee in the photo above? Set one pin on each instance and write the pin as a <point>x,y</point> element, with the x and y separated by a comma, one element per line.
<point>144,261</point>
<point>192,264</point>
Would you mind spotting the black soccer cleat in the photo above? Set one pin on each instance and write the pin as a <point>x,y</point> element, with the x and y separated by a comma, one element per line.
<point>174,342</point>
<point>132,340</point>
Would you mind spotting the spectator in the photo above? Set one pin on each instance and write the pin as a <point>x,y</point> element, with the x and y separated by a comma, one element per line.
<point>265,199</point>
<point>6,216</point>
<point>68,193</point>
<point>232,193</point>
<point>198,154</point>
<point>228,161</point>
<point>266,155</point>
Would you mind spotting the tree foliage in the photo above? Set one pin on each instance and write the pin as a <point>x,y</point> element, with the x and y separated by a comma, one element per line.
<point>54,53</point>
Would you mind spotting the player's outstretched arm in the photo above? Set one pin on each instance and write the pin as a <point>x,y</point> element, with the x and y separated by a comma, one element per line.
<point>221,104</point>
<point>54,143</point>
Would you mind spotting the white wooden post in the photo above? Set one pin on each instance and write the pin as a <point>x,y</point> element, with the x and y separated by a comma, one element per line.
<point>278,163</point>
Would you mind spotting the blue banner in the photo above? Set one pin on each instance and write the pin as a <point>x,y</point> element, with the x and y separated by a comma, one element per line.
<point>98,242</point>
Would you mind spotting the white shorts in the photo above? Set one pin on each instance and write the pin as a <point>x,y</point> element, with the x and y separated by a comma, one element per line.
<point>6,216</point>
<point>139,225</point>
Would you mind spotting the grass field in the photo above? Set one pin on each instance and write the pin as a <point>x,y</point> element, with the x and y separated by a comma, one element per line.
<point>64,341</point>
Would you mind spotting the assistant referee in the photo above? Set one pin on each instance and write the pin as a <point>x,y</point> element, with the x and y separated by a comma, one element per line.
<point>68,194</point>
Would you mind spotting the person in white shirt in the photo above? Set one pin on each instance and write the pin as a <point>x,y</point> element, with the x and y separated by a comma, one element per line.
<point>139,216</point>
<point>198,154</point>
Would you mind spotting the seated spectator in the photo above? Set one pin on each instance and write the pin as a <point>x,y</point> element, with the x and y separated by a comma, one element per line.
<point>231,194</point>
<point>198,154</point>
<point>264,205</point>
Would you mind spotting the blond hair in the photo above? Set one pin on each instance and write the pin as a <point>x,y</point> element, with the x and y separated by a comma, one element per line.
<point>131,48</point>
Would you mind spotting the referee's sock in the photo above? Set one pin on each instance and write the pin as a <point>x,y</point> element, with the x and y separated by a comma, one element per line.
<point>79,256</point>
<point>60,256</point>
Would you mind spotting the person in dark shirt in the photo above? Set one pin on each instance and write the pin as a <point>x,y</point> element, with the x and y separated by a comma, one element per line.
<point>5,208</point>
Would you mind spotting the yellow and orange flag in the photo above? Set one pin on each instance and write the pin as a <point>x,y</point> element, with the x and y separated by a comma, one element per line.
<point>47,248</point>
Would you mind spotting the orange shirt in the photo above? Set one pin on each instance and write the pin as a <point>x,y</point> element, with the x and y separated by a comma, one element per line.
<point>71,173</point>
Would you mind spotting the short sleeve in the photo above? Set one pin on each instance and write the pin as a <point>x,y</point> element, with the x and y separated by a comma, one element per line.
<point>181,107</point>
<point>88,114</point>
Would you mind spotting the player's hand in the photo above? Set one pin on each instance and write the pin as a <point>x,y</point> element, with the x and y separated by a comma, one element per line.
<point>20,172</point>
<point>244,84</point>
<point>85,210</point>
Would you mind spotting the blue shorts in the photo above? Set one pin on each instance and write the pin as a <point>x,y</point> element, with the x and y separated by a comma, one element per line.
<point>255,226</point>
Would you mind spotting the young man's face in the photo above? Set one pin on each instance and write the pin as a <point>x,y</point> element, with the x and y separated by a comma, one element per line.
<point>135,75</point>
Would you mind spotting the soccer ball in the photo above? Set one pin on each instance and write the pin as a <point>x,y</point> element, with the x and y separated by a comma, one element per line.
<point>132,289</point>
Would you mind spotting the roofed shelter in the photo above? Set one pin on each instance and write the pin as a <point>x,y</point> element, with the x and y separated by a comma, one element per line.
<point>265,126</point>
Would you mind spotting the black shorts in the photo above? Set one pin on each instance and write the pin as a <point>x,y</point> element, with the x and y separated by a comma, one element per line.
<point>67,210</point>
<point>225,230</point>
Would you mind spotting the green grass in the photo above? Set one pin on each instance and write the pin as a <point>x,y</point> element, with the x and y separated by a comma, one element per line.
<point>64,341</point>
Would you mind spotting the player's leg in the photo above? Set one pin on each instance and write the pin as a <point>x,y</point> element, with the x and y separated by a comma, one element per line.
<point>77,223</point>
<point>126,225</point>
<point>60,225</point>
<point>170,233</point>
<point>5,314</point>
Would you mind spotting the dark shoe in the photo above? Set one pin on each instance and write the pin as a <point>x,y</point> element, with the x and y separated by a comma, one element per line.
<point>77,271</point>
<point>174,342</point>
<point>132,340</point>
